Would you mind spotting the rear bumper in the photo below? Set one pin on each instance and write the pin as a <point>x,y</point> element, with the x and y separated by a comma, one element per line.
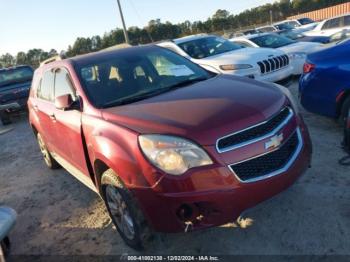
<point>223,203</point>
<point>14,106</point>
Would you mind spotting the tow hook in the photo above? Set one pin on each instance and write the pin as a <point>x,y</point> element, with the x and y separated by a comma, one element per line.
<point>189,224</point>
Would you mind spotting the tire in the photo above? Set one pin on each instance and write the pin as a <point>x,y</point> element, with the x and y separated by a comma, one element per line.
<point>49,160</point>
<point>344,111</point>
<point>132,225</point>
<point>5,246</point>
<point>5,118</point>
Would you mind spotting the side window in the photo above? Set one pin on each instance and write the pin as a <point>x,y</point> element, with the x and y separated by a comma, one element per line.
<point>242,44</point>
<point>63,84</point>
<point>45,90</point>
<point>347,20</point>
<point>333,23</point>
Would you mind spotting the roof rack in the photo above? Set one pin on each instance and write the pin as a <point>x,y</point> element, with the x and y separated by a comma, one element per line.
<point>51,59</point>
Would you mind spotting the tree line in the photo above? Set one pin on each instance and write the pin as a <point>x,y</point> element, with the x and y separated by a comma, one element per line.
<point>221,22</point>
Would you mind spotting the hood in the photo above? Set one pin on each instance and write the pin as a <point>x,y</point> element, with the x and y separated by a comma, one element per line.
<point>203,111</point>
<point>305,47</point>
<point>241,56</point>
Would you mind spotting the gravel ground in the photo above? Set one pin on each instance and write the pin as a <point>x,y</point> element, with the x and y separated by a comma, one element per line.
<point>57,215</point>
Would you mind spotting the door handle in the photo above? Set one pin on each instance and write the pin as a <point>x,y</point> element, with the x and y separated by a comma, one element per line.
<point>52,117</point>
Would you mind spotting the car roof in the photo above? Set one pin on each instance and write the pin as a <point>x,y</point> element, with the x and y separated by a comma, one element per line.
<point>104,54</point>
<point>191,38</point>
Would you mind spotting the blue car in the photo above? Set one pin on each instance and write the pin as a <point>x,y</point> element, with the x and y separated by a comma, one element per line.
<point>324,87</point>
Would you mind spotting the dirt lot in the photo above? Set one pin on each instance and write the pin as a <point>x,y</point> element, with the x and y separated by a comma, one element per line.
<point>59,216</point>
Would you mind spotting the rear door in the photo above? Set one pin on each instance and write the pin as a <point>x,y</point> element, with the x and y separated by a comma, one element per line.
<point>68,138</point>
<point>44,107</point>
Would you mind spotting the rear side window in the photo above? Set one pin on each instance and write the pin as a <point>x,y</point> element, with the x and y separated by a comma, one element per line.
<point>333,23</point>
<point>45,90</point>
<point>347,20</point>
<point>63,84</point>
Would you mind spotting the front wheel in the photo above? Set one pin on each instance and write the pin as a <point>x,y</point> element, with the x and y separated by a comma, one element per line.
<point>124,211</point>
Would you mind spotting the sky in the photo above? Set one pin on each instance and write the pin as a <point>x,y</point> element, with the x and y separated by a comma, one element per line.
<point>27,24</point>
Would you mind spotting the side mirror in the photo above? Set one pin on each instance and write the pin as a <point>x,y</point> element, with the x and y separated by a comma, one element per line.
<point>64,102</point>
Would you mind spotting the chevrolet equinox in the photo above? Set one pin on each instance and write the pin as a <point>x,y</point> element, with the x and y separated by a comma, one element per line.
<point>168,146</point>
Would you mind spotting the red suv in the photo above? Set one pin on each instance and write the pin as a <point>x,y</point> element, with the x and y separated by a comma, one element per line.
<point>168,145</point>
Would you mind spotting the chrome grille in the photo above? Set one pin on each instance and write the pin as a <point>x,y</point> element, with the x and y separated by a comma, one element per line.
<point>273,64</point>
<point>270,164</point>
<point>255,133</point>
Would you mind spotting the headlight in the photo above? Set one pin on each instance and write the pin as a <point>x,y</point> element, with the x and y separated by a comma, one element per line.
<point>171,154</point>
<point>288,94</point>
<point>235,67</point>
<point>297,55</point>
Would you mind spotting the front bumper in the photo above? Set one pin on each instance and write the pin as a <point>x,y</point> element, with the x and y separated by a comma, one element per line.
<point>226,199</point>
<point>277,76</point>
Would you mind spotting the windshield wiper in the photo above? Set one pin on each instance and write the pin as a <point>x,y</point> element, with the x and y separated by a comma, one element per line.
<point>187,82</point>
<point>143,96</point>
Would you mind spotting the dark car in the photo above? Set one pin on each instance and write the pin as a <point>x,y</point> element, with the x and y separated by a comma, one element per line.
<point>15,83</point>
<point>168,145</point>
<point>325,85</point>
<point>300,37</point>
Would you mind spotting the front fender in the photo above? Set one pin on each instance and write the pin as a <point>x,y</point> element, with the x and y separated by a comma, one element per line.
<point>118,148</point>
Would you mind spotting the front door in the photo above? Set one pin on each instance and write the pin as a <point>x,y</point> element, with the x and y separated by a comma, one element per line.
<point>68,137</point>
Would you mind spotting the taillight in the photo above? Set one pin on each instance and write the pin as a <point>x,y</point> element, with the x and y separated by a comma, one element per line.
<point>308,68</point>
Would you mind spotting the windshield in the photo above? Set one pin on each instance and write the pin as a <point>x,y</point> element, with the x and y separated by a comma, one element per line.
<point>285,26</point>
<point>266,29</point>
<point>291,35</point>
<point>208,46</point>
<point>15,75</point>
<point>293,24</point>
<point>305,21</point>
<point>124,78</point>
<point>272,41</point>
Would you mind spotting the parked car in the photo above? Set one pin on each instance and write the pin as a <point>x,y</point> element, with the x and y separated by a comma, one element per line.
<point>219,55</point>
<point>307,25</point>
<point>296,51</point>
<point>340,36</point>
<point>301,37</point>
<point>14,90</point>
<point>331,26</point>
<point>168,145</point>
<point>324,87</point>
<point>7,222</point>
<point>266,29</point>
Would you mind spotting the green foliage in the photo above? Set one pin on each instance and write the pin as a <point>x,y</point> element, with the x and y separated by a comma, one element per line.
<point>220,22</point>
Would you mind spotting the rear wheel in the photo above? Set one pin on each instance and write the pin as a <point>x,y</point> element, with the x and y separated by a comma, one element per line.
<point>49,160</point>
<point>124,211</point>
<point>5,118</point>
<point>344,111</point>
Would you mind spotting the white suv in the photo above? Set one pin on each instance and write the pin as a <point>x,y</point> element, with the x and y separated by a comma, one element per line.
<point>296,51</point>
<point>219,55</point>
<point>331,26</point>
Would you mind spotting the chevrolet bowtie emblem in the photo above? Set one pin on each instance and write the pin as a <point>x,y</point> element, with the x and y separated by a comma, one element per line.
<point>274,142</point>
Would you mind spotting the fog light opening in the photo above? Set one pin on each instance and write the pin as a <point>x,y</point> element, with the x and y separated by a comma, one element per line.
<point>185,212</point>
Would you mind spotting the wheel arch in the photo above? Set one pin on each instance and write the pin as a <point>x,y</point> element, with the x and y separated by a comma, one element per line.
<point>341,101</point>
